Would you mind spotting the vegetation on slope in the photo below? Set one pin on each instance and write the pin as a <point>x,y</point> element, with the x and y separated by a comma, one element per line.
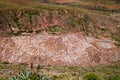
<point>23,17</point>
<point>17,18</point>
<point>100,72</point>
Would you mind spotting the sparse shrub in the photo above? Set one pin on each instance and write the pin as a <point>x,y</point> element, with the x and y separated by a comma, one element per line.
<point>61,77</point>
<point>55,30</point>
<point>91,76</point>
<point>5,62</point>
<point>55,77</point>
<point>23,64</point>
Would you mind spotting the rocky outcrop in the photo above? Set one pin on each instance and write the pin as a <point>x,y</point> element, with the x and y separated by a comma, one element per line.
<point>66,49</point>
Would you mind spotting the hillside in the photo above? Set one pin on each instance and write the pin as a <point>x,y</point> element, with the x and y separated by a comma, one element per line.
<point>60,32</point>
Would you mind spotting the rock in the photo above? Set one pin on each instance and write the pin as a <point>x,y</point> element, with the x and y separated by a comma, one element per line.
<point>66,49</point>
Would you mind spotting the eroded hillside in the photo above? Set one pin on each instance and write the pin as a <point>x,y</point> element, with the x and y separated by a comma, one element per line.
<point>52,34</point>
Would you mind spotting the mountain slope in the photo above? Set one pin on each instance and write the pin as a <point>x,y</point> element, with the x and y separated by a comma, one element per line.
<point>56,34</point>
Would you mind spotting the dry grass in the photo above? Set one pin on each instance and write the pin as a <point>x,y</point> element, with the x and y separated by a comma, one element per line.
<point>62,72</point>
<point>73,5</point>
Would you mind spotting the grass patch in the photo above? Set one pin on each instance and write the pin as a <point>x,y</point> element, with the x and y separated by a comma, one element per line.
<point>113,77</point>
<point>91,76</point>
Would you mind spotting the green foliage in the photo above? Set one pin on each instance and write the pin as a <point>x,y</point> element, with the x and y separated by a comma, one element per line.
<point>39,77</point>
<point>85,24</point>
<point>56,30</point>
<point>23,75</point>
<point>27,75</point>
<point>105,72</point>
<point>23,64</point>
<point>63,77</point>
<point>91,76</point>
<point>2,79</point>
<point>113,66</point>
<point>5,62</point>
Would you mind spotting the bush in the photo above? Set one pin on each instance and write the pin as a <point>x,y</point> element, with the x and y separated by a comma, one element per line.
<point>91,76</point>
<point>55,30</point>
<point>5,62</point>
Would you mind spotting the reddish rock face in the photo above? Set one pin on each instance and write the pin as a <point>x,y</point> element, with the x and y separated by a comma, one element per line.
<point>67,49</point>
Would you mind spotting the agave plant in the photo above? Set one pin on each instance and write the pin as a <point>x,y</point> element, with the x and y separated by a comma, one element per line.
<point>44,77</point>
<point>23,75</point>
<point>27,75</point>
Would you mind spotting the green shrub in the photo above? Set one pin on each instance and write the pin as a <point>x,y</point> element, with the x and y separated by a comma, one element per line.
<point>5,62</point>
<point>23,64</point>
<point>91,76</point>
<point>55,29</point>
<point>2,79</point>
